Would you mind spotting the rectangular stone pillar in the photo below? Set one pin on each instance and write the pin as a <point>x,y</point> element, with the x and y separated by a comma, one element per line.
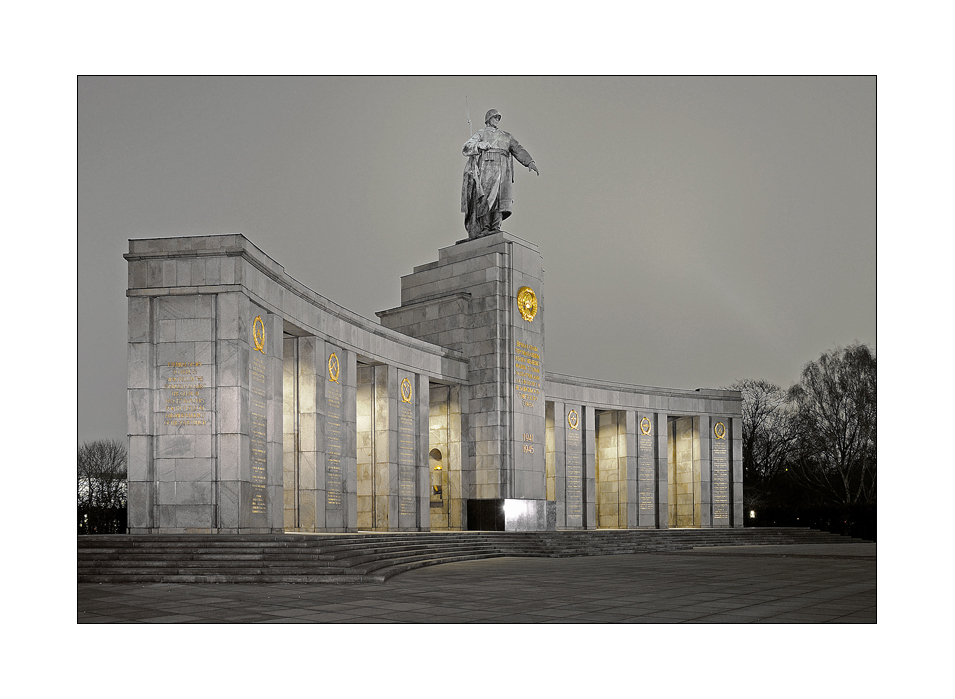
<point>684,473</point>
<point>311,434</point>
<point>627,425</point>
<point>608,474</point>
<point>249,399</point>
<point>556,462</point>
<point>413,489</point>
<point>647,477</point>
<point>340,484</point>
<point>550,453</point>
<point>365,451</point>
<point>736,466</point>
<point>701,471</point>
<point>303,434</point>
<point>290,433</point>
<point>460,478</point>
<point>570,435</point>
<point>720,429</point>
<point>661,430</point>
<point>589,430</point>
<point>385,464</point>
<point>349,367</point>
<point>439,496</point>
<point>141,415</point>
<point>422,405</point>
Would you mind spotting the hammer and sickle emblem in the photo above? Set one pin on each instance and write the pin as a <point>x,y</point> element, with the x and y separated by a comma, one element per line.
<point>258,334</point>
<point>527,303</point>
<point>645,425</point>
<point>573,419</point>
<point>720,430</point>
<point>405,391</point>
<point>333,367</point>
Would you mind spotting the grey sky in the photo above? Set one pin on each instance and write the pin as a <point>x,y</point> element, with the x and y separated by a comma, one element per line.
<point>694,230</point>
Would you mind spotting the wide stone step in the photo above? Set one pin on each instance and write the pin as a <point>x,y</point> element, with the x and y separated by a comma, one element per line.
<point>376,557</point>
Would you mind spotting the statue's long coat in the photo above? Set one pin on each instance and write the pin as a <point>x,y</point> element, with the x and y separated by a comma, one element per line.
<point>488,176</point>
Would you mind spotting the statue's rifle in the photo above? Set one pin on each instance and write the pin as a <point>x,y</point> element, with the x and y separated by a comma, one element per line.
<point>468,111</point>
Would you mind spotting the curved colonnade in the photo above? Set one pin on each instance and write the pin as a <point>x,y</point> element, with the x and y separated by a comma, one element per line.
<point>257,405</point>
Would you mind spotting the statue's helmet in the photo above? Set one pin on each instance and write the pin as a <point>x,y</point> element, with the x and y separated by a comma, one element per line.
<point>490,113</point>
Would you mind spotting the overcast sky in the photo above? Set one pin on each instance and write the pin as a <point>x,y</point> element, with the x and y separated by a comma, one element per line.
<point>694,231</point>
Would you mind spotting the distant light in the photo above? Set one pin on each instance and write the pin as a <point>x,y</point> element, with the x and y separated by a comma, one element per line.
<point>752,514</point>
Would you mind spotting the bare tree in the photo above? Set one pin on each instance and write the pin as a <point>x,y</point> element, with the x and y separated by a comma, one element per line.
<point>767,437</point>
<point>100,485</point>
<point>834,405</point>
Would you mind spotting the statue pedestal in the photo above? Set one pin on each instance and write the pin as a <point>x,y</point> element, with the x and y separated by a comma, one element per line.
<point>468,301</point>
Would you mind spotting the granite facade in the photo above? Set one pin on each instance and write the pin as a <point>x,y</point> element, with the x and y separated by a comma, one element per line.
<point>257,405</point>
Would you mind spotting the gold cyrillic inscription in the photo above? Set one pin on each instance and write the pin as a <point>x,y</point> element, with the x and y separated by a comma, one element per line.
<point>527,377</point>
<point>183,404</point>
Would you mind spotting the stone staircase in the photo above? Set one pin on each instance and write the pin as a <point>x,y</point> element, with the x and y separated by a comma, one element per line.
<point>375,557</point>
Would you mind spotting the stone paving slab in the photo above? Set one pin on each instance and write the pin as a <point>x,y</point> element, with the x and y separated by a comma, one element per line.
<point>862,549</point>
<point>801,584</point>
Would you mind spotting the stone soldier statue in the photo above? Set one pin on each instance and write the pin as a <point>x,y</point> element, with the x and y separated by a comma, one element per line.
<point>486,195</point>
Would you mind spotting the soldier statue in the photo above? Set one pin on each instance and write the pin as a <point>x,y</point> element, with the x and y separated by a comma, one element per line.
<point>486,195</point>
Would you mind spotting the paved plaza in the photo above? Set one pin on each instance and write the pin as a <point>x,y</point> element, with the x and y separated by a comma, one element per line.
<point>813,583</point>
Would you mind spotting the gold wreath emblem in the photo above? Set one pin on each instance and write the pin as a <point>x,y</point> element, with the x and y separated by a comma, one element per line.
<point>573,419</point>
<point>405,391</point>
<point>258,334</point>
<point>333,367</point>
<point>645,425</point>
<point>527,303</point>
<point>720,430</point>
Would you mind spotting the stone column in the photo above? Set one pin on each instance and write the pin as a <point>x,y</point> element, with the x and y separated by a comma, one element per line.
<point>572,421</point>
<point>460,479</point>
<point>339,405</point>
<point>684,480</point>
<point>589,429</point>
<point>608,470</point>
<point>439,496</point>
<point>274,520</point>
<point>304,429</point>
<point>249,417</point>
<point>385,468</point>
<point>233,347</point>
<point>141,375</point>
<point>702,473</point>
<point>720,453</point>
<point>365,449</point>
<point>556,433</point>
<point>647,478</point>
<point>290,481</point>
<point>422,475</point>
<point>349,462</point>
<point>736,435</point>
<point>660,429</point>
<point>627,425</point>
<point>311,433</point>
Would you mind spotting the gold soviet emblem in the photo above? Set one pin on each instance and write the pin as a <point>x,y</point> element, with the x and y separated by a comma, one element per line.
<point>645,426</point>
<point>573,419</point>
<point>258,334</point>
<point>527,303</point>
<point>720,430</point>
<point>333,367</point>
<point>405,391</point>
